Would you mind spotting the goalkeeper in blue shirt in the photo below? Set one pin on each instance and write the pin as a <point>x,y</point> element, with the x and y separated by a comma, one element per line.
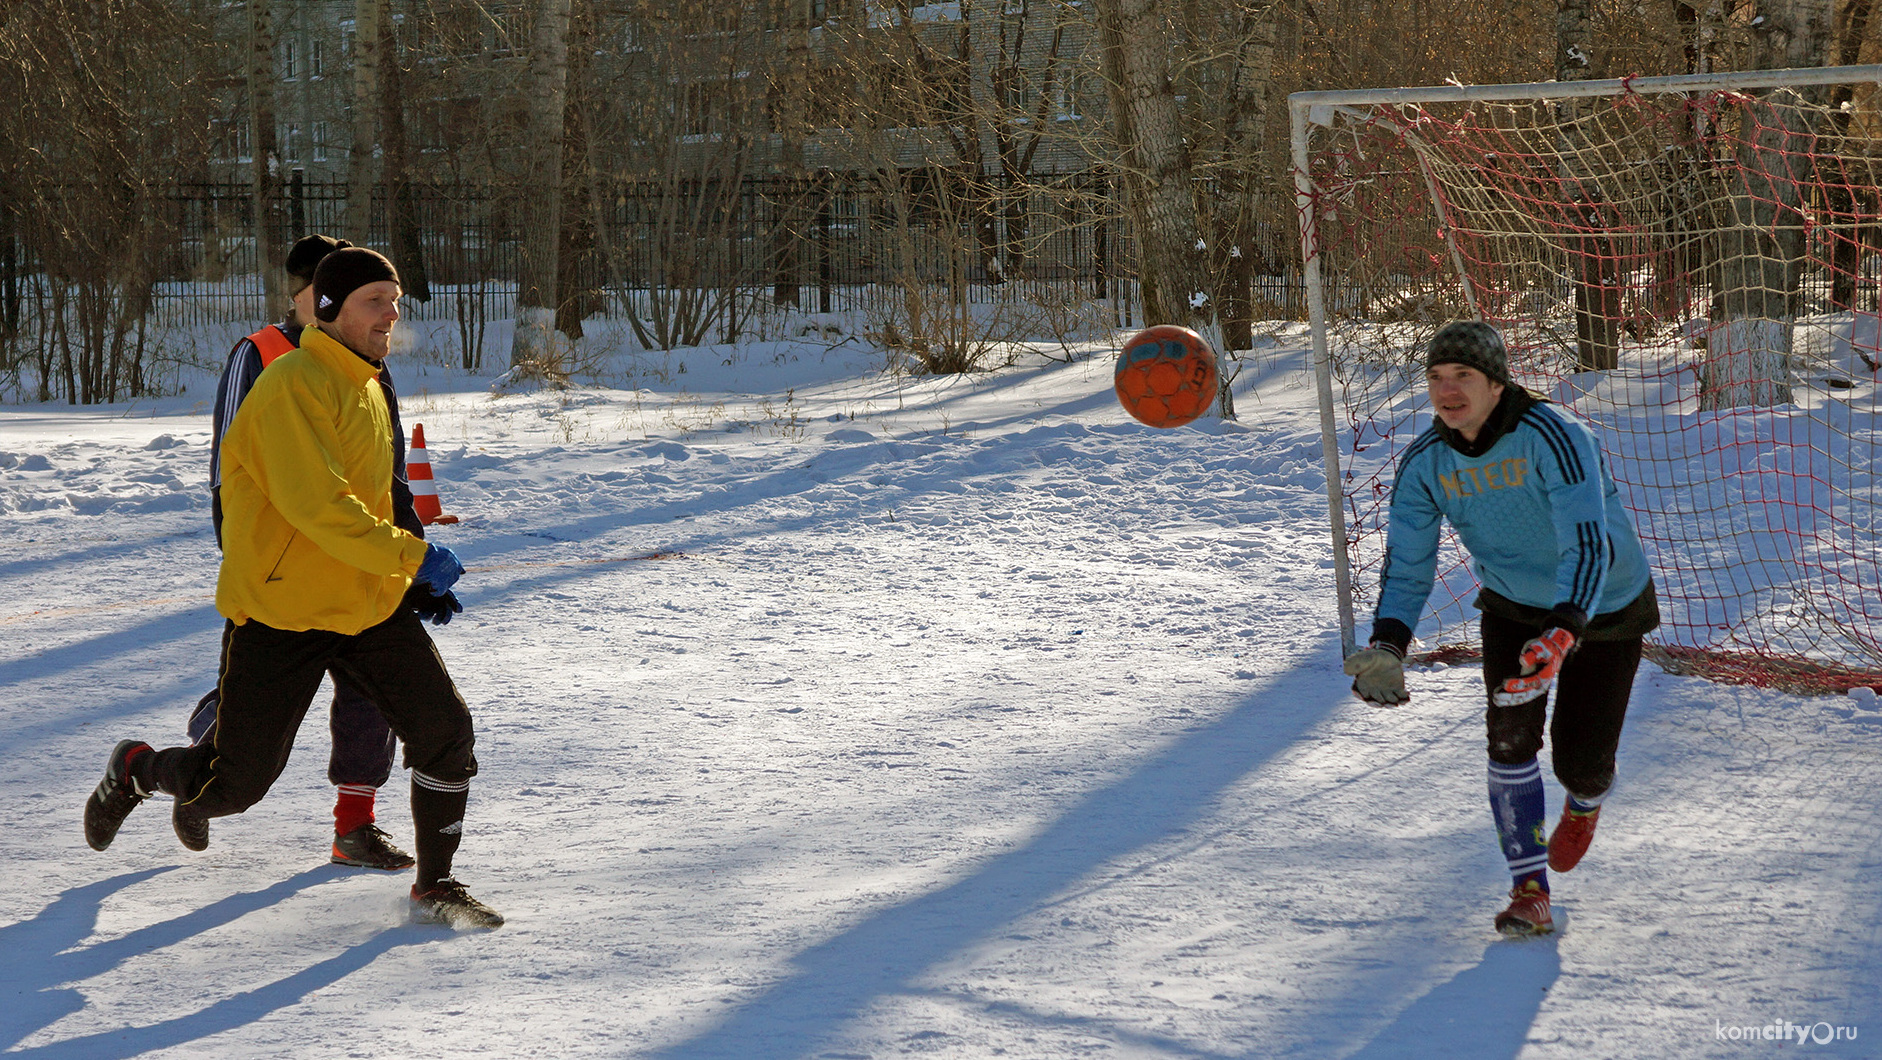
<point>1565,593</point>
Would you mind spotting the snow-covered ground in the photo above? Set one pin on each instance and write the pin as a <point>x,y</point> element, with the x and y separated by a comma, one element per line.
<point>830,713</point>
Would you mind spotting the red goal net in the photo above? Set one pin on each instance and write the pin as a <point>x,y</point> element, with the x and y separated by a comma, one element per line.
<point>1691,264</point>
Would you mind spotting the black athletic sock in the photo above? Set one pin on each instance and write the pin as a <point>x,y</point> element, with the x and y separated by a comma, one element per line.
<point>438,824</point>
<point>140,770</point>
<point>161,771</point>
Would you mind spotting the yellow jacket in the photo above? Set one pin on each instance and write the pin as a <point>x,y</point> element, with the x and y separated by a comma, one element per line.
<point>307,532</point>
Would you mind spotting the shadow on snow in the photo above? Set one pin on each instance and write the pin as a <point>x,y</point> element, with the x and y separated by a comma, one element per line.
<point>888,952</point>
<point>44,953</point>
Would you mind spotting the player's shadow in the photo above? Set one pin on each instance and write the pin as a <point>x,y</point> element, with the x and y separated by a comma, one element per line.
<point>45,953</point>
<point>1482,1013</point>
<point>889,951</point>
<point>155,632</point>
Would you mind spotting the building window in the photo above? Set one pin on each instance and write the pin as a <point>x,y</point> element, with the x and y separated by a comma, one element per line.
<point>288,72</point>
<point>320,141</point>
<point>291,143</point>
<point>696,106</point>
<point>231,140</point>
<point>221,140</point>
<point>1071,97</point>
<point>316,60</point>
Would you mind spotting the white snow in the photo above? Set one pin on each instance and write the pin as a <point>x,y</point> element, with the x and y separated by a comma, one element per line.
<point>830,713</point>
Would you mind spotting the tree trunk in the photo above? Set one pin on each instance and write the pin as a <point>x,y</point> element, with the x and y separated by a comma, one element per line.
<point>1852,30</point>
<point>1154,163</point>
<point>1238,238</point>
<point>535,342</point>
<point>368,16</point>
<point>408,249</point>
<point>1761,264</point>
<point>575,294</point>
<point>266,179</point>
<point>1591,254</point>
<point>790,93</point>
<point>1762,254</point>
<point>1794,33</point>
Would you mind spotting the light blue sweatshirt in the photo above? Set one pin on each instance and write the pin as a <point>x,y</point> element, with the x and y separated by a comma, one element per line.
<point>1537,510</point>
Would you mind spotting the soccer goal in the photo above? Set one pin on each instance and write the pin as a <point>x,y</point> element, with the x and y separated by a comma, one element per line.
<point>1692,264</point>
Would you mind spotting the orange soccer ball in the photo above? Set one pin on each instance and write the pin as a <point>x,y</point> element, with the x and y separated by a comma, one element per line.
<point>1166,376</point>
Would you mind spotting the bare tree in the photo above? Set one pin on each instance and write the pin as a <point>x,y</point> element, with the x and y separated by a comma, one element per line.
<point>1761,251</point>
<point>361,175</point>
<point>1243,178</point>
<point>1154,163</point>
<point>408,248</point>
<point>907,104</point>
<point>578,259</point>
<point>1018,56</point>
<point>108,113</point>
<point>671,160</point>
<point>1793,33</point>
<point>535,342</point>
<point>1597,284</point>
<point>789,100</point>
<point>1853,44</point>
<point>1228,72</point>
<point>265,175</point>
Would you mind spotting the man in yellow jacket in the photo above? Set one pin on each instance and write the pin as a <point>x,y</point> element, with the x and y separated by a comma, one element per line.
<point>313,574</point>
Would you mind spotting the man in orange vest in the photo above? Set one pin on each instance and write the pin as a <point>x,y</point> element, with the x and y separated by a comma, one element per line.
<point>363,745</point>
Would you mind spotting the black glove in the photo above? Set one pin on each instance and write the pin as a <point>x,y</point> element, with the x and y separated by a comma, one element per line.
<point>435,608</point>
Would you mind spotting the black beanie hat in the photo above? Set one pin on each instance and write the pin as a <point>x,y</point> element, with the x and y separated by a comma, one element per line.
<point>1473,344</point>
<point>306,256</point>
<point>345,271</point>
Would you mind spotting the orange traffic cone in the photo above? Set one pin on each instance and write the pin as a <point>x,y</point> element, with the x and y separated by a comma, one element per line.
<point>424,488</point>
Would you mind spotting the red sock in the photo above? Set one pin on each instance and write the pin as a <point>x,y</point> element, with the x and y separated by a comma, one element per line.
<point>353,808</point>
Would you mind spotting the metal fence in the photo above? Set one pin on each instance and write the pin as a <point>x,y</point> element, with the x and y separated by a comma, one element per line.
<point>816,245</point>
<point>933,262</point>
<point>813,243</point>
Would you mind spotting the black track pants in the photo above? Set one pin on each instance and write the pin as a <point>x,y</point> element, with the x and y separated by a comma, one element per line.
<point>363,744</point>
<point>268,681</point>
<point>1590,705</point>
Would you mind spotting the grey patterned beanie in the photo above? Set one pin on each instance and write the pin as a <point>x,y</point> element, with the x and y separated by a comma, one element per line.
<point>1473,344</point>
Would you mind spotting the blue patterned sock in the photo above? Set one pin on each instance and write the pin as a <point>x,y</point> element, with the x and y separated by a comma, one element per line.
<point>1516,803</point>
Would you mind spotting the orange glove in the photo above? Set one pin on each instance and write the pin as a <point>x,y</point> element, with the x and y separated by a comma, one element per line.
<point>1542,660</point>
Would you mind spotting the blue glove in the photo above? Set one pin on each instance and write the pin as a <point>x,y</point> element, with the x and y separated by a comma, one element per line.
<point>440,571</point>
<point>437,609</point>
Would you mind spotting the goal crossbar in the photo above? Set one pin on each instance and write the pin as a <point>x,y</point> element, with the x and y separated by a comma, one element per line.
<point>1456,93</point>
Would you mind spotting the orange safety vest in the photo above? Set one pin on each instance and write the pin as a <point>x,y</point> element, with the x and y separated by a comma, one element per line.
<point>272,343</point>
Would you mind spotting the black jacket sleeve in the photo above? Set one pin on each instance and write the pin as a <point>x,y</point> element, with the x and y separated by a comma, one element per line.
<point>404,515</point>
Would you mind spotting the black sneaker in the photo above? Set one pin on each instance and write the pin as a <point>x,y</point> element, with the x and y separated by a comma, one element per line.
<point>192,828</point>
<point>447,902</point>
<point>115,797</point>
<point>366,847</point>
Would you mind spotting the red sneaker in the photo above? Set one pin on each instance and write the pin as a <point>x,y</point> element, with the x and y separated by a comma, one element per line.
<point>1571,837</point>
<point>1528,912</point>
